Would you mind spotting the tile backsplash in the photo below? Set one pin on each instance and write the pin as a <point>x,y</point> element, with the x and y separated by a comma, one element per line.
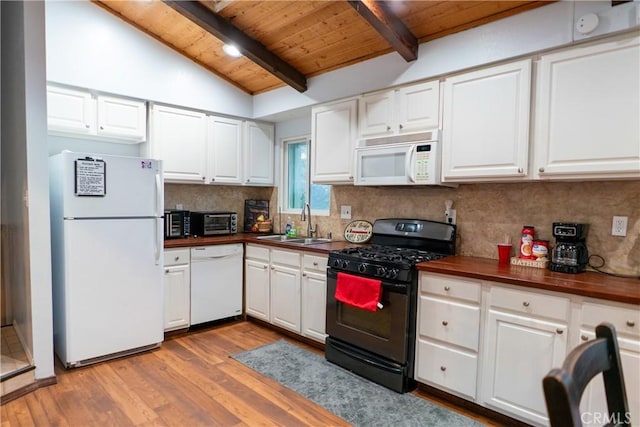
<point>486,213</point>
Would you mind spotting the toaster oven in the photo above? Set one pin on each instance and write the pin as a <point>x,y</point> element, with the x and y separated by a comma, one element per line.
<point>177,224</point>
<point>213,223</point>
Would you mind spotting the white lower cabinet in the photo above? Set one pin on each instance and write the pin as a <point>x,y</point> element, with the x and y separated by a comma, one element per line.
<point>448,333</point>
<point>626,320</point>
<point>286,288</point>
<point>177,288</point>
<point>314,296</point>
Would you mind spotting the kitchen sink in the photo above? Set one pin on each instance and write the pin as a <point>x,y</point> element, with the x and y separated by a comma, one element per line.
<point>294,240</point>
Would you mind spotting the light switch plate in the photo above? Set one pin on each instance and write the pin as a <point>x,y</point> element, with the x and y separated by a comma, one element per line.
<point>345,212</point>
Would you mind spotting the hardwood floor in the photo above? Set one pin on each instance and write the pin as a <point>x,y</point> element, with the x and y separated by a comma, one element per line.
<point>189,381</point>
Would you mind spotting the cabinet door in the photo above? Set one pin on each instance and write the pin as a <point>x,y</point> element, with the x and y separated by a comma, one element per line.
<point>257,289</point>
<point>587,112</point>
<point>334,133</point>
<point>594,400</point>
<point>376,114</point>
<point>285,297</point>
<point>178,137</point>
<point>258,158</point>
<point>418,107</point>
<point>70,111</point>
<point>122,118</point>
<point>224,151</point>
<point>519,352</point>
<point>486,123</point>
<point>176,296</point>
<point>314,305</point>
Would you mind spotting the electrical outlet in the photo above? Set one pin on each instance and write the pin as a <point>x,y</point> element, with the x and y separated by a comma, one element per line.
<point>451,216</point>
<point>345,212</point>
<point>619,226</point>
<point>179,206</point>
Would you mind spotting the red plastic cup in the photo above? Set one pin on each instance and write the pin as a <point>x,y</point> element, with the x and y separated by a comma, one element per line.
<point>504,253</point>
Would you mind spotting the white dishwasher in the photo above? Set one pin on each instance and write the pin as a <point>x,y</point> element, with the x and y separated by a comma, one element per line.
<point>216,282</point>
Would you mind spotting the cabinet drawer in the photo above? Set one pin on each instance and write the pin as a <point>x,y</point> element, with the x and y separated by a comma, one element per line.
<point>314,262</point>
<point>452,287</point>
<point>176,256</point>
<point>285,257</point>
<point>450,322</point>
<point>447,368</point>
<point>626,320</point>
<point>257,252</point>
<point>531,303</point>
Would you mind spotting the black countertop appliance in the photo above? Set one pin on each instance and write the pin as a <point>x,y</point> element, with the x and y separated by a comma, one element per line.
<point>570,255</point>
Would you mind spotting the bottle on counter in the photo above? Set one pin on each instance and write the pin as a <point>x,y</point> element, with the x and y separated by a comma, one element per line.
<point>293,231</point>
<point>526,242</point>
<point>287,228</point>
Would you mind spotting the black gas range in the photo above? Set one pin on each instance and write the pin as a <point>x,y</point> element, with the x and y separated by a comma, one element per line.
<point>379,344</point>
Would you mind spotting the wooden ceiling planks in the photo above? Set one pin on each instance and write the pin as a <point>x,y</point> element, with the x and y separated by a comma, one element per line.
<point>312,36</point>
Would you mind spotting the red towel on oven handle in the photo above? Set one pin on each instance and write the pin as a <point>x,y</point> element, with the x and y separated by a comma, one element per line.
<point>358,291</point>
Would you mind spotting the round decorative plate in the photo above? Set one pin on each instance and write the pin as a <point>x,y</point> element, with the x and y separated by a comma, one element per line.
<point>358,231</point>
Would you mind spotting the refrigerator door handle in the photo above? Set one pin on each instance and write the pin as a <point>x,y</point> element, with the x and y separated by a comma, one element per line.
<point>159,208</point>
<point>158,224</point>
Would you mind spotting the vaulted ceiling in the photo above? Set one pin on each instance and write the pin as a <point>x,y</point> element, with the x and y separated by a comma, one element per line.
<point>287,42</point>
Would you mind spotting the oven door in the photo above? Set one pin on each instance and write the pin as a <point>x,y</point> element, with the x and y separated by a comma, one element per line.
<point>217,224</point>
<point>384,332</point>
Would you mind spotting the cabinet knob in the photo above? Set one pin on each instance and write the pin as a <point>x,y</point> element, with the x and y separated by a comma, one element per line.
<point>203,178</point>
<point>315,264</point>
<point>400,125</point>
<point>101,127</point>
<point>265,267</point>
<point>273,268</point>
<point>304,274</point>
<point>248,180</point>
<point>443,368</point>
<point>350,178</point>
<point>166,271</point>
<point>520,170</point>
<point>213,179</point>
<point>176,258</point>
<point>631,323</point>
<point>447,288</point>
<point>525,303</point>
<point>445,323</point>
<point>584,337</point>
<point>388,127</point>
<point>559,331</point>
<point>87,126</point>
<point>540,170</point>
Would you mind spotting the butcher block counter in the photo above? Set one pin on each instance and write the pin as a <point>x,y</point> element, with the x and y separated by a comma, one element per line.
<point>589,284</point>
<point>324,248</point>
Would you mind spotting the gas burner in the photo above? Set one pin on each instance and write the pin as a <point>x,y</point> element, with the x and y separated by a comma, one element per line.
<point>392,254</point>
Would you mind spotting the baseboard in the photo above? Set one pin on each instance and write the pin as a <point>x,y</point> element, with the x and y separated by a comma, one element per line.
<point>43,382</point>
<point>288,333</point>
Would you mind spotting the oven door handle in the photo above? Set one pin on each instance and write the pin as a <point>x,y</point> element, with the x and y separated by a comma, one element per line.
<point>360,356</point>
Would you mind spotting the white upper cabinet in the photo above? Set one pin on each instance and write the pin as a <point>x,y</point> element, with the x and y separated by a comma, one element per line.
<point>78,113</point>
<point>70,111</point>
<point>179,138</point>
<point>122,118</point>
<point>406,109</point>
<point>486,124</point>
<point>224,151</point>
<point>258,153</point>
<point>334,130</point>
<point>588,112</point>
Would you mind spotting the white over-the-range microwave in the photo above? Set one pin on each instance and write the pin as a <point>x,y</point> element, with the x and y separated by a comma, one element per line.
<point>410,159</point>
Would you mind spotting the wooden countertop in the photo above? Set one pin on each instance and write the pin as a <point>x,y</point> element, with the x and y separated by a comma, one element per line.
<point>589,284</point>
<point>323,248</point>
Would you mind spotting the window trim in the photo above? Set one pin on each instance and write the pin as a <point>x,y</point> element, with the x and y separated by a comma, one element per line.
<point>283,189</point>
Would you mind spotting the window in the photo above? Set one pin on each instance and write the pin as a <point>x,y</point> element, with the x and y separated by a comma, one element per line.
<point>297,187</point>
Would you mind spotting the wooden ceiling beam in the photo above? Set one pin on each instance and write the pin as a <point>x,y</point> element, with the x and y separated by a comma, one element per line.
<point>392,29</point>
<point>229,33</point>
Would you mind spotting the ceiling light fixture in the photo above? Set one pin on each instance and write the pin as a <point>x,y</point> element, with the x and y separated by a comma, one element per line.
<point>231,50</point>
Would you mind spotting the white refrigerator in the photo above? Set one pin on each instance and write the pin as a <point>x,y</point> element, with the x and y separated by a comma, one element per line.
<point>106,244</point>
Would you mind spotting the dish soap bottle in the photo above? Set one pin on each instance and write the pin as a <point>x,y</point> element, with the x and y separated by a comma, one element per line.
<point>293,231</point>
<point>287,228</point>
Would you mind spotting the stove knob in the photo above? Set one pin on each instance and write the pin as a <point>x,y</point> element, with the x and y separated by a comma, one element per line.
<point>345,264</point>
<point>381,271</point>
<point>362,268</point>
<point>336,263</point>
<point>393,273</point>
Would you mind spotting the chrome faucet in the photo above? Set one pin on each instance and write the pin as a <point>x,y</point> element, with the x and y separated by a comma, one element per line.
<point>306,216</point>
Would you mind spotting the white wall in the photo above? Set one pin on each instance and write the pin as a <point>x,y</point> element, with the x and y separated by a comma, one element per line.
<point>533,31</point>
<point>25,179</point>
<point>90,48</point>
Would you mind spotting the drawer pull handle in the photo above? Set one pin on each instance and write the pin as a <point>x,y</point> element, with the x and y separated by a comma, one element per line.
<point>176,258</point>
<point>526,303</point>
<point>559,331</point>
<point>445,323</point>
<point>304,274</point>
<point>584,338</point>
<point>447,288</point>
<point>443,368</point>
<point>166,271</point>
<point>631,323</point>
<point>315,264</point>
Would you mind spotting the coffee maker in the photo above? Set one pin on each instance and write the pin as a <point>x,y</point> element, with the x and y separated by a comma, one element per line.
<point>570,254</point>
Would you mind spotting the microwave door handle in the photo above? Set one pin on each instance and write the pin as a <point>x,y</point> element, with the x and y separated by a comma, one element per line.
<point>410,165</point>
